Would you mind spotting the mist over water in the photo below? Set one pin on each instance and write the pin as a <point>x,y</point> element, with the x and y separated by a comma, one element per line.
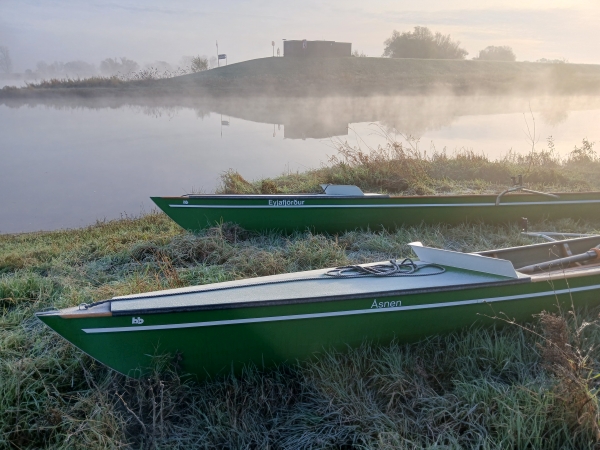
<point>17,82</point>
<point>67,164</point>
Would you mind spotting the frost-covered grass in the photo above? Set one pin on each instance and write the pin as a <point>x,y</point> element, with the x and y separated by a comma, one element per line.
<point>476,388</point>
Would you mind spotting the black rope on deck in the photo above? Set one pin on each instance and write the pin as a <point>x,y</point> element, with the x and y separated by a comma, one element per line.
<point>406,268</point>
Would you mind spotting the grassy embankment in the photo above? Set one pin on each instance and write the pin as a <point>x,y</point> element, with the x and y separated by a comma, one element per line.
<point>341,76</point>
<point>478,388</point>
<point>407,170</point>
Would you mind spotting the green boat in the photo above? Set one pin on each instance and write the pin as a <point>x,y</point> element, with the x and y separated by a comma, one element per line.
<point>217,328</point>
<point>341,208</point>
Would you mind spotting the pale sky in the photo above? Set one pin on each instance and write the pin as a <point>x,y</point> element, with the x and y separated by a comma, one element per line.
<point>152,30</point>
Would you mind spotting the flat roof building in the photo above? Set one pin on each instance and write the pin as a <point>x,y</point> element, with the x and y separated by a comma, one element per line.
<point>316,48</point>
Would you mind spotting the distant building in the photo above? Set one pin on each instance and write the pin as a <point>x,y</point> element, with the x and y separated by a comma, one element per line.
<point>317,48</point>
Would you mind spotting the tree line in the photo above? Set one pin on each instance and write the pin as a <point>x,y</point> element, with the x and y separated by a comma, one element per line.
<point>122,67</point>
<point>424,44</point>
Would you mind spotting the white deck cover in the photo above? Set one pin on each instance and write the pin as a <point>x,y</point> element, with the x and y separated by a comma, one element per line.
<point>467,261</point>
<point>300,285</point>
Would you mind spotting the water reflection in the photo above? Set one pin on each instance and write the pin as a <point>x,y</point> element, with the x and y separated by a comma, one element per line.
<point>68,163</point>
<point>319,118</point>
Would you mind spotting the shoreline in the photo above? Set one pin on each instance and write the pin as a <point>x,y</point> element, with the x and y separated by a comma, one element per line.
<point>301,77</point>
<point>398,169</point>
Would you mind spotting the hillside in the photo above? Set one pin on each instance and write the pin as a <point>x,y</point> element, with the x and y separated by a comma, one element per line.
<point>360,76</point>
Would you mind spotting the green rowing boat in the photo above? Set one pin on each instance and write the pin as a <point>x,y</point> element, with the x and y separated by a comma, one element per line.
<point>342,208</point>
<point>216,328</point>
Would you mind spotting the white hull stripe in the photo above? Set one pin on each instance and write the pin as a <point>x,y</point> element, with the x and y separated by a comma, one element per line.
<point>334,314</point>
<point>417,205</point>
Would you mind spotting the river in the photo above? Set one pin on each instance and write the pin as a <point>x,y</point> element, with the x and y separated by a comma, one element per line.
<point>67,164</point>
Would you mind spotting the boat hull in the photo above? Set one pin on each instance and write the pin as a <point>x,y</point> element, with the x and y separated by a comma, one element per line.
<point>211,342</point>
<point>332,214</point>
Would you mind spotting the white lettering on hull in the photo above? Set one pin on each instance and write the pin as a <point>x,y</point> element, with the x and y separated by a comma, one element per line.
<point>382,305</point>
<point>286,202</point>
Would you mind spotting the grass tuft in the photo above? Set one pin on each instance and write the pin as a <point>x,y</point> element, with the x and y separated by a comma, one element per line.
<point>566,357</point>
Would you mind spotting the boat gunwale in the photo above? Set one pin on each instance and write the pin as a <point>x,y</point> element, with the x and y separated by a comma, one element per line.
<point>371,310</point>
<point>264,196</point>
<point>566,273</point>
<point>556,274</point>
<point>366,195</point>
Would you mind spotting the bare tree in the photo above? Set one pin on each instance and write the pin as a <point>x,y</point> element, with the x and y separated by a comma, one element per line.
<point>5,61</point>
<point>199,64</point>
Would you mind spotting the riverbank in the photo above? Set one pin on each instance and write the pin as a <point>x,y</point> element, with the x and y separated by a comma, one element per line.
<point>292,77</point>
<point>487,388</point>
<point>502,387</point>
<point>405,169</point>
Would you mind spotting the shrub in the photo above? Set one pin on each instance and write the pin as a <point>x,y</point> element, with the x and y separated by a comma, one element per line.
<point>493,53</point>
<point>584,154</point>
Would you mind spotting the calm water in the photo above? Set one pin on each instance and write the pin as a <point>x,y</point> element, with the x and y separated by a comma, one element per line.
<point>66,165</point>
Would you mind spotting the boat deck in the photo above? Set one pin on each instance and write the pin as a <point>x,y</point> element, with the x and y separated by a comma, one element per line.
<point>462,271</point>
<point>304,286</point>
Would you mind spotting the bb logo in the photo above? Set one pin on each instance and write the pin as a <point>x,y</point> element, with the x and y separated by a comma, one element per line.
<point>137,320</point>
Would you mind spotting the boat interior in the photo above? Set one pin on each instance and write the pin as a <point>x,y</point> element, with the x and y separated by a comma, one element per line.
<point>578,256</point>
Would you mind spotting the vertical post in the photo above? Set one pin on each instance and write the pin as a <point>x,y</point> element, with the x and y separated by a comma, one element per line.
<point>218,62</point>
<point>273,45</point>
